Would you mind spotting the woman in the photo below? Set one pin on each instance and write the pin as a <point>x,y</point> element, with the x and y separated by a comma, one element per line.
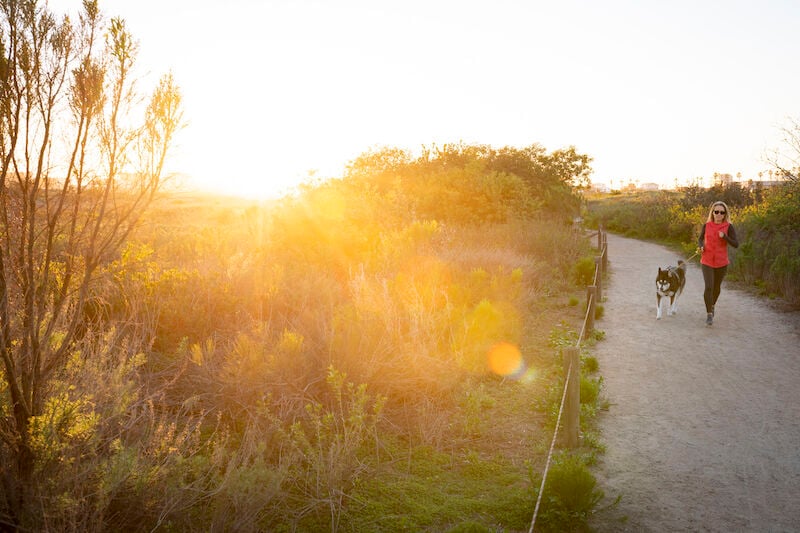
<point>715,236</point>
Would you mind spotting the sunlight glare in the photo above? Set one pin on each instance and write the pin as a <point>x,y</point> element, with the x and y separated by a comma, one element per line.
<point>505,359</point>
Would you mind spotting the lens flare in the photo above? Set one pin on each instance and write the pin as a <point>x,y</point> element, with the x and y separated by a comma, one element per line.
<point>505,359</point>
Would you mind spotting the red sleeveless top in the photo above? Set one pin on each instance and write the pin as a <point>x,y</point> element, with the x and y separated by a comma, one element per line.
<point>715,249</point>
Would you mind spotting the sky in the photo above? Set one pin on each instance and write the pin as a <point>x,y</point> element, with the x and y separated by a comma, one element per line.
<point>277,91</point>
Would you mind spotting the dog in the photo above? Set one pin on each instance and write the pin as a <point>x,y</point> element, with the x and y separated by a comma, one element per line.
<point>670,282</point>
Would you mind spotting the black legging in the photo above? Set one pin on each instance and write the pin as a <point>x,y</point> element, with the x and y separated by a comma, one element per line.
<point>713,279</point>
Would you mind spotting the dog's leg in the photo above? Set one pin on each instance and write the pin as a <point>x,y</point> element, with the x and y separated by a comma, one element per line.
<point>658,307</point>
<point>671,306</point>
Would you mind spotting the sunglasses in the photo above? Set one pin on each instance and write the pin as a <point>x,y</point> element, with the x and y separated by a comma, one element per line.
<point>718,212</point>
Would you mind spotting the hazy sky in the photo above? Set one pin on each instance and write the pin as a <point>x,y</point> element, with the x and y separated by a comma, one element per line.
<point>654,91</point>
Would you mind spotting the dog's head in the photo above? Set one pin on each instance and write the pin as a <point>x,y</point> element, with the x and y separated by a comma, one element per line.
<point>665,280</point>
<point>670,279</point>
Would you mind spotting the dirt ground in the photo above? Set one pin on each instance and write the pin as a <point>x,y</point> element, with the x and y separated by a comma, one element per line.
<point>703,428</point>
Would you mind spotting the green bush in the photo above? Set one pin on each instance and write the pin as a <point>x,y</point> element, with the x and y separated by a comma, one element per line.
<point>599,311</point>
<point>590,390</point>
<point>590,364</point>
<point>584,271</point>
<point>570,495</point>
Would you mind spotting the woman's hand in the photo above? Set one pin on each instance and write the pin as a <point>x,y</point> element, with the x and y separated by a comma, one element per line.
<point>721,234</point>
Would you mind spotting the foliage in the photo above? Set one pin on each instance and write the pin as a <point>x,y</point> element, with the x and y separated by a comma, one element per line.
<point>769,254</point>
<point>469,184</point>
<point>766,221</point>
<point>646,216</point>
<point>590,390</point>
<point>599,311</point>
<point>571,494</point>
<point>366,348</point>
<point>590,364</point>
<point>331,444</point>
<point>584,271</point>
<point>431,490</point>
<point>79,167</point>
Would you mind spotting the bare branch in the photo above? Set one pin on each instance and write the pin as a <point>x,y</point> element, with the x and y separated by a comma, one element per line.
<point>786,158</point>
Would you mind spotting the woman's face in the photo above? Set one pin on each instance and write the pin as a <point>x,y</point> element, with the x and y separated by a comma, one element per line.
<point>719,213</point>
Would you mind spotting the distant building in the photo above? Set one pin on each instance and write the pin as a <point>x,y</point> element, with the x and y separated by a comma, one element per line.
<point>762,184</point>
<point>600,188</point>
<point>649,186</point>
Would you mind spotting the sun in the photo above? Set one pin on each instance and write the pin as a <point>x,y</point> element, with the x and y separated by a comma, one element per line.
<point>229,167</point>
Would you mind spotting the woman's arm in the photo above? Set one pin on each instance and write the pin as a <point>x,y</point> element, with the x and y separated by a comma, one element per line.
<point>701,241</point>
<point>731,237</point>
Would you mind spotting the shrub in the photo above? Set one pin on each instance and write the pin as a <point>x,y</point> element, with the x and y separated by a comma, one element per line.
<point>590,364</point>
<point>584,271</point>
<point>599,311</point>
<point>590,390</point>
<point>570,495</point>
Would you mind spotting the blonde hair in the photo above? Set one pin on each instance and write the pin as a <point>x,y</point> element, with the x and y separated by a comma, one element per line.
<point>727,217</point>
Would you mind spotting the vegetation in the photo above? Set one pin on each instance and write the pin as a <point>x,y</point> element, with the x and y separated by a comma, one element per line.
<point>766,221</point>
<point>377,352</point>
<point>77,170</point>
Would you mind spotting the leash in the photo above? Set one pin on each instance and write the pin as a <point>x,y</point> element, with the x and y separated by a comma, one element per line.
<point>693,256</point>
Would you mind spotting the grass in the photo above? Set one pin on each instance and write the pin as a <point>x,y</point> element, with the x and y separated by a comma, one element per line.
<point>452,455</point>
<point>483,478</point>
<point>487,476</point>
<point>435,491</point>
<point>331,362</point>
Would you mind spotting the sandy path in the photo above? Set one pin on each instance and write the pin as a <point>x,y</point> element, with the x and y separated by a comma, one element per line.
<point>703,429</point>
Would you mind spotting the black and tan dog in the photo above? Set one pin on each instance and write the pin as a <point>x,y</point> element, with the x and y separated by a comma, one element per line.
<point>670,282</point>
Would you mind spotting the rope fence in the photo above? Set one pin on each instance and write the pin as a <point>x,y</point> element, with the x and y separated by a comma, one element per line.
<point>571,396</point>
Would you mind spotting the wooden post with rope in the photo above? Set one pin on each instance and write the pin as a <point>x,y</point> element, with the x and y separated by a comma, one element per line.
<point>591,307</point>
<point>598,280</point>
<point>604,249</point>
<point>572,406</point>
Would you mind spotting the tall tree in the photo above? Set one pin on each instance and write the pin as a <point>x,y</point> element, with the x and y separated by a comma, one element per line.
<point>77,171</point>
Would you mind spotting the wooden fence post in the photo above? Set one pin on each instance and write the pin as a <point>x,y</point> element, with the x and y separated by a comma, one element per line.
<point>605,251</point>
<point>591,301</point>
<point>572,407</point>
<point>598,262</point>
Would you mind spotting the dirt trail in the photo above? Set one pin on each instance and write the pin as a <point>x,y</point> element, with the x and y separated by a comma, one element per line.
<point>703,429</point>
